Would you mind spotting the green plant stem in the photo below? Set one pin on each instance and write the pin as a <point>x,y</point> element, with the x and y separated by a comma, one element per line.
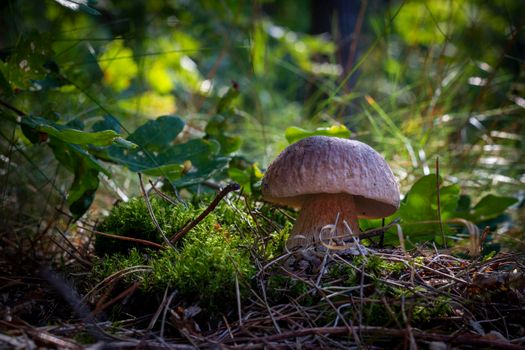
<point>438,185</point>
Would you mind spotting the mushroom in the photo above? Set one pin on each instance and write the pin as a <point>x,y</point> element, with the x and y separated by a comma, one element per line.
<point>329,178</point>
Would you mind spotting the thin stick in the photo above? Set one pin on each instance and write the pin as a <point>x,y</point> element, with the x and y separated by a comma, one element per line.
<point>361,296</point>
<point>78,254</point>
<point>150,210</point>
<point>231,187</point>
<point>48,339</point>
<point>438,185</point>
<point>401,238</point>
<point>127,292</point>
<point>466,339</point>
<point>378,231</point>
<point>70,253</point>
<point>268,308</point>
<point>159,310</point>
<point>238,294</point>
<point>382,237</point>
<point>129,239</point>
<point>162,194</point>
<point>116,276</point>
<point>165,312</point>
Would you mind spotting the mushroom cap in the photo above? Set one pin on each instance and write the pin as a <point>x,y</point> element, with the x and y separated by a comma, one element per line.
<point>321,164</point>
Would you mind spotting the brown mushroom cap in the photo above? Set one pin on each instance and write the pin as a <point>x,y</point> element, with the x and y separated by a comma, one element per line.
<point>321,164</point>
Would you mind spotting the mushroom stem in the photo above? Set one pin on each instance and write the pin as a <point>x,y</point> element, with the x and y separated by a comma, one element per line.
<point>319,210</point>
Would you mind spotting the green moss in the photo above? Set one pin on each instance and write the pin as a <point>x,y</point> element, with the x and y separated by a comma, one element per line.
<point>420,305</point>
<point>131,219</point>
<point>202,270</point>
<point>378,266</point>
<point>205,267</point>
<point>118,262</point>
<point>206,262</point>
<point>275,244</point>
<point>434,308</point>
<point>346,273</point>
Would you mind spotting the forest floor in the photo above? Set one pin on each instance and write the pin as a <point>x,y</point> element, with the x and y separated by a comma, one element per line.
<point>387,299</point>
<point>214,290</point>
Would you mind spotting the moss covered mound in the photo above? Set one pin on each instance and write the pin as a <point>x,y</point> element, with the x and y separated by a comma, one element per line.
<point>205,265</point>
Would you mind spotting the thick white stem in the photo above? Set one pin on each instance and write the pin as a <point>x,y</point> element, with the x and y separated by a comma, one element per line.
<point>320,210</point>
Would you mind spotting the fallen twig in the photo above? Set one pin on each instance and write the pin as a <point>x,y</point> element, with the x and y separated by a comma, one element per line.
<point>463,339</point>
<point>378,231</point>
<point>128,291</point>
<point>129,239</point>
<point>231,187</point>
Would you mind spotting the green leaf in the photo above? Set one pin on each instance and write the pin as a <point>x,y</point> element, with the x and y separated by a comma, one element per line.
<point>246,177</point>
<point>82,191</point>
<point>229,144</point>
<point>420,203</point>
<point>202,171</point>
<point>490,207</point>
<point>464,203</point>
<point>140,159</point>
<point>294,134</point>
<point>70,135</point>
<point>68,154</point>
<point>216,129</point>
<point>101,138</point>
<point>109,122</point>
<point>85,169</point>
<point>158,134</point>
<point>156,155</point>
<point>27,63</point>
<point>125,143</point>
<point>419,211</point>
<point>242,177</point>
<point>171,171</point>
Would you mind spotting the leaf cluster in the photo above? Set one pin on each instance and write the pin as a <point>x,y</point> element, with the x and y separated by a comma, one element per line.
<point>419,215</point>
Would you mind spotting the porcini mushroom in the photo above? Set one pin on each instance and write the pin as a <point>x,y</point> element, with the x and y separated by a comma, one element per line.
<point>328,177</point>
